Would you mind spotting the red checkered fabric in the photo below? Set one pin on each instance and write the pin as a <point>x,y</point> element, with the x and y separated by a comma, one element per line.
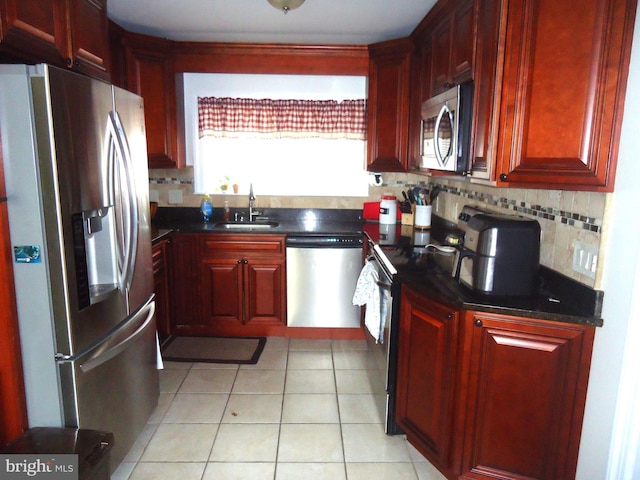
<point>267,118</point>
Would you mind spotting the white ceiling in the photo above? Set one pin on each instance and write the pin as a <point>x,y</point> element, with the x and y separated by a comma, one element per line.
<point>348,22</point>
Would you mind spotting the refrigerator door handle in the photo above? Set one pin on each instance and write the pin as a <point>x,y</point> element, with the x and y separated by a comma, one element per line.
<point>113,343</point>
<point>121,183</point>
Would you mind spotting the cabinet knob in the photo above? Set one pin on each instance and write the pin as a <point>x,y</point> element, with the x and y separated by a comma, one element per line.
<point>478,323</point>
<point>503,177</point>
<point>69,61</point>
<point>240,261</point>
<point>449,316</point>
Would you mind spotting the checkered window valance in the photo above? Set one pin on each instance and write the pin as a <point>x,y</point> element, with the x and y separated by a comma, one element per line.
<point>267,118</point>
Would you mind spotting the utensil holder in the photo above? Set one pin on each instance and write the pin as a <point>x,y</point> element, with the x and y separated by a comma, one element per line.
<point>423,216</point>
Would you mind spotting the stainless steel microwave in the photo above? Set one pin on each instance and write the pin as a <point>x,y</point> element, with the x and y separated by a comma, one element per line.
<point>446,130</point>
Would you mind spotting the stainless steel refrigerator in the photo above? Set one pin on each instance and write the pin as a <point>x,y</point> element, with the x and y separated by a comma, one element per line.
<point>75,165</point>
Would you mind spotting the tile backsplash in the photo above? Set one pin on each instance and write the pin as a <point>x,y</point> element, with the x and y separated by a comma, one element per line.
<point>565,217</point>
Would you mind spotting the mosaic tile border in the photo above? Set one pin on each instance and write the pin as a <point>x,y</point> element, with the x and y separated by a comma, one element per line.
<point>552,214</point>
<point>170,181</point>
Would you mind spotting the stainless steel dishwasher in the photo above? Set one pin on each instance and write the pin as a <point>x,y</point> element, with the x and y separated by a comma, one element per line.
<point>322,272</point>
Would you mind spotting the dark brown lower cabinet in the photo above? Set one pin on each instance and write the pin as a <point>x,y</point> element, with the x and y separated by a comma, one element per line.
<point>426,367</point>
<point>160,254</point>
<point>486,396</point>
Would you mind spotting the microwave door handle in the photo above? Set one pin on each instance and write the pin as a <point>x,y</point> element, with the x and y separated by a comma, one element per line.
<point>436,142</point>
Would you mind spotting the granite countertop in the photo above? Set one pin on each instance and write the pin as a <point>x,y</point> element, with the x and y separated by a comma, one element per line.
<point>559,299</point>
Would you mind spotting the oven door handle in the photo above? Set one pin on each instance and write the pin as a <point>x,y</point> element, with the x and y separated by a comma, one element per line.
<point>384,286</point>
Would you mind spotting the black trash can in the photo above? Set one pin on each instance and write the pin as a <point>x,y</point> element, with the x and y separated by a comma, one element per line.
<point>92,447</point>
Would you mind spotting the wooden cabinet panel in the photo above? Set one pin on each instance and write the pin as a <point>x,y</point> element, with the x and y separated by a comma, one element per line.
<point>160,254</point>
<point>563,92</point>
<point>150,74</point>
<point>13,408</point>
<point>89,47</point>
<point>36,29</point>
<point>388,106</point>
<point>223,288</point>
<point>452,40</point>
<point>236,284</point>
<point>426,375</point>
<point>65,33</point>
<point>486,100</point>
<point>527,389</point>
<point>185,273</point>
<point>265,286</point>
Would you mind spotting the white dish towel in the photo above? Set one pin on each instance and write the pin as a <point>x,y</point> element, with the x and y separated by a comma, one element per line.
<point>368,293</point>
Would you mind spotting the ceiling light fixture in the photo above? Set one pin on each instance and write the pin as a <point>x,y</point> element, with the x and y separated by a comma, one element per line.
<point>286,5</point>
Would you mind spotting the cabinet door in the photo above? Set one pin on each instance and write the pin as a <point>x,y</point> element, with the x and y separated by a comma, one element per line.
<point>527,389</point>
<point>563,92</point>
<point>486,99</point>
<point>185,269</point>
<point>426,375</point>
<point>89,48</point>
<point>161,273</point>
<point>264,286</point>
<point>150,75</point>
<point>36,30</point>
<point>222,292</point>
<point>441,57</point>
<point>388,106</point>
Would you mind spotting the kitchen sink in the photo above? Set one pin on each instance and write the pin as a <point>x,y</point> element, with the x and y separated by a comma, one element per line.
<point>237,225</point>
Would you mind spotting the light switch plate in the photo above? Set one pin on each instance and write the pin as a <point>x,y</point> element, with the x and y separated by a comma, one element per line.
<point>585,259</point>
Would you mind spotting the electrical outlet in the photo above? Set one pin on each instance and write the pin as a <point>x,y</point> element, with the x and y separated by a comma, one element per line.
<point>585,259</point>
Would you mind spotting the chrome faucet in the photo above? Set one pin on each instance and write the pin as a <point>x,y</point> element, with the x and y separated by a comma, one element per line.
<point>252,213</point>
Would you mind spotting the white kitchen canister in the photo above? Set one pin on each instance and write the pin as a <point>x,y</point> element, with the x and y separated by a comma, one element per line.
<point>388,209</point>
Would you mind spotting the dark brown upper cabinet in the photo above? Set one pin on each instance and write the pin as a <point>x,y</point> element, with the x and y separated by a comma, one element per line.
<point>388,106</point>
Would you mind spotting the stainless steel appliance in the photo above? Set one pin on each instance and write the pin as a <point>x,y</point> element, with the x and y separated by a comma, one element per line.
<point>74,153</point>
<point>322,271</point>
<point>500,255</point>
<point>383,352</point>
<point>446,130</point>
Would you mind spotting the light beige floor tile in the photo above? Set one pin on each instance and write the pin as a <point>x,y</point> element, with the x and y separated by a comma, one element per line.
<point>253,408</point>
<point>369,443</point>
<point>310,443</point>
<point>309,344</point>
<point>245,443</point>
<point>310,360</point>
<point>214,366</point>
<point>259,381</point>
<point>239,471</point>
<point>123,471</point>
<point>171,379</point>
<point>277,343</point>
<point>381,471</point>
<point>350,359</point>
<point>164,400</point>
<point>180,442</point>
<point>340,345</point>
<point>310,471</point>
<point>269,360</point>
<point>310,408</point>
<point>141,443</point>
<point>426,471</point>
<point>310,381</point>
<point>360,408</point>
<point>156,471</point>
<point>416,456</point>
<point>353,381</point>
<point>196,408</point>
<point>208,381</point>
<point>168,365</point>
